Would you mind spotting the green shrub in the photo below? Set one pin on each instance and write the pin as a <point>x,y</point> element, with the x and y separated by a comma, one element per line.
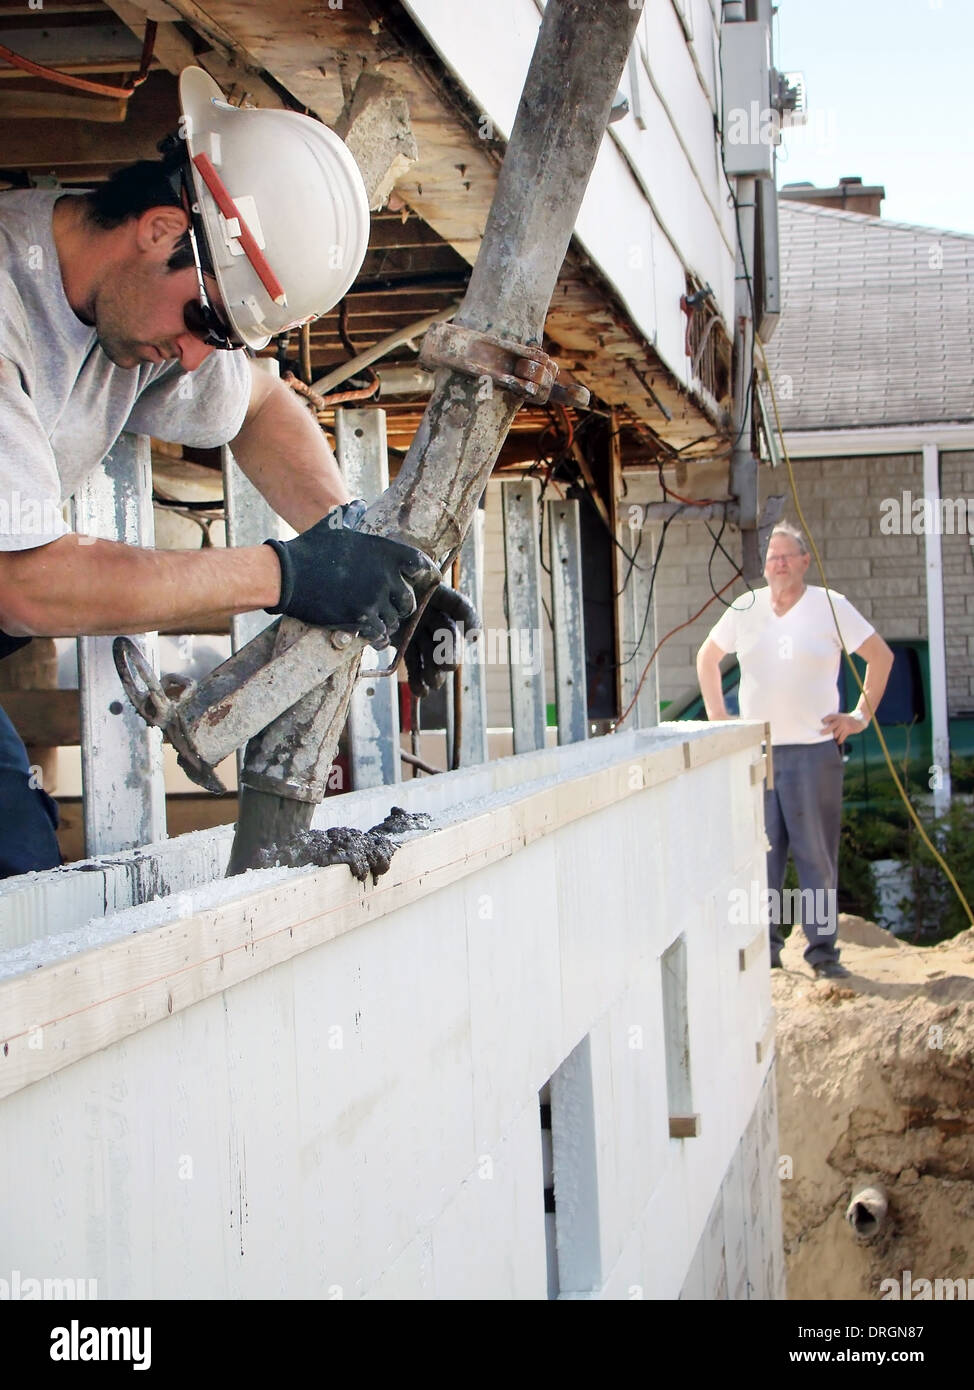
<point>936,909</point>
<point>857,887</point>
<point>888,832</point>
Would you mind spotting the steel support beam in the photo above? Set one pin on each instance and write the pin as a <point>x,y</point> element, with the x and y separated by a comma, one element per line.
<point>637,630</point>
<point>525,615</point>
<point>373,715</point>
<point>121,757</point>
<point>473,672</point>
<point>567,619</point>
<point>251,520</point>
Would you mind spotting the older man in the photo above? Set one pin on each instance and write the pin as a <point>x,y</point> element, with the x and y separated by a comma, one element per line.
<point>789,651</point>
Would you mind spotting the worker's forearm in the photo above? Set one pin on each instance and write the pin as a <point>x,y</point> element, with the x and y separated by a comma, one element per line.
<point>284,453</point>
<point>874,684</point>
<point>75,586</point>
<point>711,688</point>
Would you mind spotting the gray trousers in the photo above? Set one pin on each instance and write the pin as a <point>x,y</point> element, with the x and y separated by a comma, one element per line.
<point>804,813</point>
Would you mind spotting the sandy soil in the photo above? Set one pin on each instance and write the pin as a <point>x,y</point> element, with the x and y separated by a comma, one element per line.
<point>875,1085</point>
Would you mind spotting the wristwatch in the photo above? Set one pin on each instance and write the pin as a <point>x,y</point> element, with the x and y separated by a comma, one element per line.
<point>857,714</point>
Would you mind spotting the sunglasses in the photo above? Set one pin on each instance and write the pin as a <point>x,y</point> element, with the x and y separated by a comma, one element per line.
<point>200,317</point>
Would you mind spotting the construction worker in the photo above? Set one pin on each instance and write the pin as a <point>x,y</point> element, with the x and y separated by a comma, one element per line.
<point>125,309</point>
<point>789,652</point>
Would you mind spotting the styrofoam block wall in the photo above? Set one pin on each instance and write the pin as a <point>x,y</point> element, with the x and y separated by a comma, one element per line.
<point>362,1120</point>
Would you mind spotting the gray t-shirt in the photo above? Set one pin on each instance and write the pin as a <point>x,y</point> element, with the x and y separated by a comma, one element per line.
<point>63,403</point>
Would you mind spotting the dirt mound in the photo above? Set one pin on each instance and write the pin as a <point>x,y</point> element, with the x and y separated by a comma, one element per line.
<point>875,1079</point>
<point>859,931</point>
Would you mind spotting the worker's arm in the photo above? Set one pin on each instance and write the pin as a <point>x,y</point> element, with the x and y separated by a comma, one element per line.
<point>711,685</point>
<point>879,662</point>
<point>284,453</point>
<point>78,585</point>
<point>330,575</point>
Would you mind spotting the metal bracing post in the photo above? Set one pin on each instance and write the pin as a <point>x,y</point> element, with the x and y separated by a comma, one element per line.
<point>743,466</point>
<point>121,758</point>
<point>373,715</point>
<point>525,615</point>
<point>933,561</point>
<point>636,615</point>
<point>251,520</point>
<point>743,469</point>
<point>568,92</point>
<point>567,619</point>
<point>473,672</point>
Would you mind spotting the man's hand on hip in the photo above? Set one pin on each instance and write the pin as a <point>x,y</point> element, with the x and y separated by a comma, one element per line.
<point>840,726</point>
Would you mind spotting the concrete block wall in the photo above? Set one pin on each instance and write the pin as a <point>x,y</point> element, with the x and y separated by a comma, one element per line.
<point>361,1119</point>
<point>741,1254</point>
<point>883,575</point>
<point>682,588</point>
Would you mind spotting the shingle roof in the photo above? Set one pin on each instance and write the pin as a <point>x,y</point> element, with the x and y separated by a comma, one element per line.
<point>877,323</point>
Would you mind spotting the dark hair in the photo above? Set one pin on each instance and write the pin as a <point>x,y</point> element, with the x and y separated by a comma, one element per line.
<point>132,191</point>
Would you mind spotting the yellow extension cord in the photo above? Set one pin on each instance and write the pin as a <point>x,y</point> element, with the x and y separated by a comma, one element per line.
<point>879,733</point>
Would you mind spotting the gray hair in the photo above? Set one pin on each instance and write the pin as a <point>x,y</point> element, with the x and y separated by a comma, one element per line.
<point>785,528</point>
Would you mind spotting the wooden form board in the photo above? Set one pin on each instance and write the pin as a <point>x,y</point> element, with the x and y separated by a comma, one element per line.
<point>754,950</point>
<point>60,1013</point>
<point>685,1127</point>
<point>698,751</point>
<point>764,1044</point>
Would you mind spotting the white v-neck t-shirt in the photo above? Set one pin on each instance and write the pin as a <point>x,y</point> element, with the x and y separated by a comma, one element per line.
<point>790,664</point>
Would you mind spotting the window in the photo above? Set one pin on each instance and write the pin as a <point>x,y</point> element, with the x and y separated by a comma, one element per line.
<point>903,701</point>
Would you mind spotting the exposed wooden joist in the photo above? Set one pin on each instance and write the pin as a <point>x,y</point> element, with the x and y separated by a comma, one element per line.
<point>452,185</point>
<point>76,69</point>
<point>60,145</point>
<point>241,83</point>
<point>312,54</point>
<point>390,231</point>
<point>17,10</point>
<point>54,44</point>
<point>17,104</point>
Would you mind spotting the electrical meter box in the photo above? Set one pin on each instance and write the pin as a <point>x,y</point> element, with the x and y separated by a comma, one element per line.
<point>751,124</point>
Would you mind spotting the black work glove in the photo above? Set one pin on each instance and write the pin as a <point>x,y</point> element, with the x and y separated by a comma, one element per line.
<point>335,576</point>
<point>436,647</point>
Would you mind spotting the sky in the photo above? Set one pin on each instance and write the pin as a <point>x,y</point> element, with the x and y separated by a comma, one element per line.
<point>890,94</point>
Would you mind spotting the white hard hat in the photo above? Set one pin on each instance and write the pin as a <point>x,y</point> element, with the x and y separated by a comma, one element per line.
<point>283,205</point>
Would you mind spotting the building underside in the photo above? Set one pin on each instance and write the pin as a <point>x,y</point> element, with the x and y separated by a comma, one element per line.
<point>423,239</point>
